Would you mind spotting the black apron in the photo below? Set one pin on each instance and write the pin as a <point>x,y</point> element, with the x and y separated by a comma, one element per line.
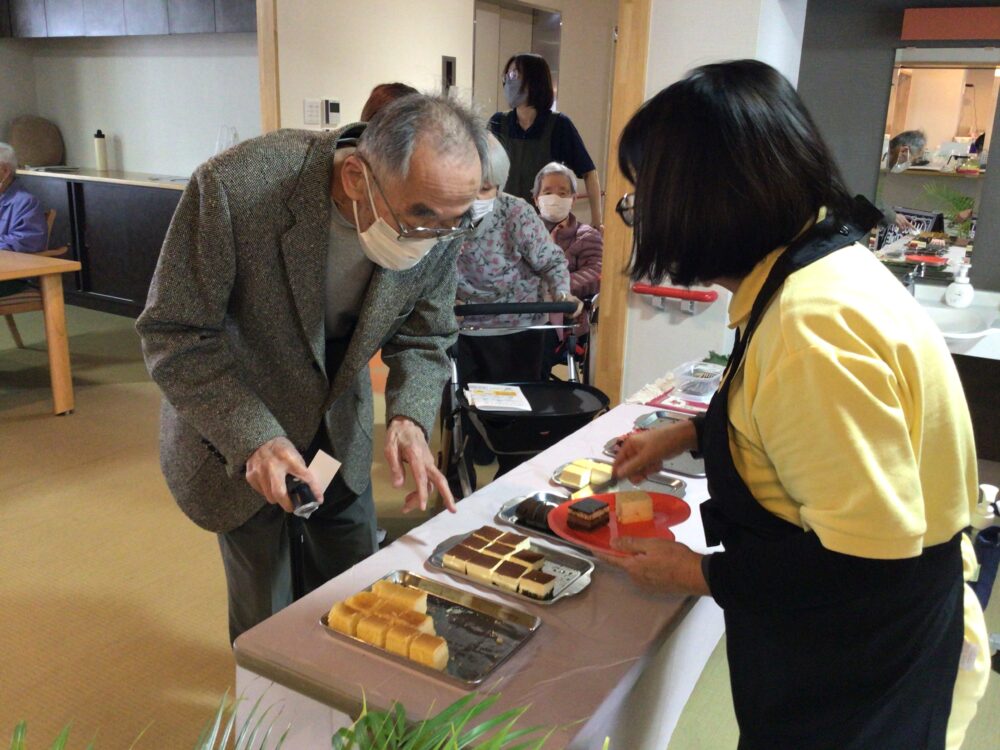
<point>527,155</point>
<point>876,673</point>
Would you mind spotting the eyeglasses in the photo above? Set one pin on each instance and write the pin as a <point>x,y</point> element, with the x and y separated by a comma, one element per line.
<point>626,209</point>
<point>510,75</point>
<point>465,227</point>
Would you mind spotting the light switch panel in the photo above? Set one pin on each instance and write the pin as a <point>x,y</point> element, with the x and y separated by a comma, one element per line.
<point>312,112</point>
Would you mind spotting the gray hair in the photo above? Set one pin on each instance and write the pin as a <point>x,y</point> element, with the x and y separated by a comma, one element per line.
<point>554,167</point>
<point>915,140</point>
<point>8,156</point>
<point>496,168</point>
<point>388,141</point>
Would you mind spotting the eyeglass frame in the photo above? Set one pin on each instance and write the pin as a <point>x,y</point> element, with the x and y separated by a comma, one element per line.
<point>406,232</point>
<point>621,208</point>
<point>513,74</point>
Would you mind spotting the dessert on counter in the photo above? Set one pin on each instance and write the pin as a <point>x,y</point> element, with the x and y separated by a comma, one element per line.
<point>507,563</point>
<point>588,514</point>
<point>583,472</point>
<point>393,618</point>
<point>633,507</point>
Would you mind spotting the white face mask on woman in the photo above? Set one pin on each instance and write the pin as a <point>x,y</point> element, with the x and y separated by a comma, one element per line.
<point>554,208</point>
<point>481,207</point>
<point>382,244</point>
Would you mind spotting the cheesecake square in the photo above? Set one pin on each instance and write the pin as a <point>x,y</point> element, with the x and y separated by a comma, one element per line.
<point>517,541</point>
<point>475,542</point>
<point>481,566</point>
<point>500,549</point>
<point>507,574</point>
<point>537,584</point>
<point>533,560</point>
<point>457,557</point>
<point>488,533</point>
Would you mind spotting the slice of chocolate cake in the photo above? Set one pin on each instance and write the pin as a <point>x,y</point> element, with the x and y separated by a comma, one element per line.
<point>587,514</point>
<point>534,514</point>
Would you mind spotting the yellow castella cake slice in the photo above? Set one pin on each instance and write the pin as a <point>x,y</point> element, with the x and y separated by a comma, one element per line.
<point>429,650</point>
<point>372,629</point>
<point>414,599</point>
<point>344,618</point>
<point>398,639</point>
<point>633,507</point>
<point>364,601</point>
<point>416,620</point>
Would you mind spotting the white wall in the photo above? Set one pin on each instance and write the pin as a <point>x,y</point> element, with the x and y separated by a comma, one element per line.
<point>159,99</point>
<point>335,49</point>
<point>685,34</point>
<point>935,103</point>
<point>17,82</point>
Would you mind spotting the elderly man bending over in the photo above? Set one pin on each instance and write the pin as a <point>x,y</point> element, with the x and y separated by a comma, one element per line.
<point>22,221</point>
<point>291,259</point>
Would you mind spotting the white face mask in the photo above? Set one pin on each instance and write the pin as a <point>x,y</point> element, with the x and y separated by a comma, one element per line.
<point>481,207</point>
<point>381,243</point>
<point>553,208</point>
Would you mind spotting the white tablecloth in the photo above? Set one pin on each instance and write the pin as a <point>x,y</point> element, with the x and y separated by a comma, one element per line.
<point>578,671</point>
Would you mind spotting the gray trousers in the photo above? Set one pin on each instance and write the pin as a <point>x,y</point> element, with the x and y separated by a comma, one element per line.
<point>257,554</point>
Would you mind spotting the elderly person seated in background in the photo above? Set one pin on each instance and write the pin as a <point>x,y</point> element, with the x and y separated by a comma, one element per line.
<point>22,221</point>
<point>555,191</point>
<point>510,258</point>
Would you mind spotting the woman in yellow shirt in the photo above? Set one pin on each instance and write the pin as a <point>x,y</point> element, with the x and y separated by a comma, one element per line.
<point>839,450</point>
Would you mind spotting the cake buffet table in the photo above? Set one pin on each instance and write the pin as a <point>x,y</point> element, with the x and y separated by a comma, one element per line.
<point>611,661</point>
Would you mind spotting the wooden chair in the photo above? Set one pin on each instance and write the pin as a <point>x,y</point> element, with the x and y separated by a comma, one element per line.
<point>30,300</point>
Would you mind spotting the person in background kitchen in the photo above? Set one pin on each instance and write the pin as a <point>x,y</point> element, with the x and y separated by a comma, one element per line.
<point>382,95</point>
<point>290,260</point>
<point>22,220</point>
<point>554,191</point>
<point>839,451</point>
<point>534,135</point>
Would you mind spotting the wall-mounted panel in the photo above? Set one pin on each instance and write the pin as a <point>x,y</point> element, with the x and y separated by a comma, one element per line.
<point>191,16</point>
<point>104,17</point>
<point>64,17</point>
<point>146,17</point>
<point>235,15</point>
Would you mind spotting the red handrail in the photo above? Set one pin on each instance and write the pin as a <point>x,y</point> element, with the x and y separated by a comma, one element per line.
<point>675,293</point>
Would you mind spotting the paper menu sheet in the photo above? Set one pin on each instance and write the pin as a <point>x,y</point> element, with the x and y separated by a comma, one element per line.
<point>490,397</point>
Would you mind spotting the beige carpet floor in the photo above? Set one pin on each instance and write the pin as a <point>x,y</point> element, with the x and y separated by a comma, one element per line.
<point>113,603</point>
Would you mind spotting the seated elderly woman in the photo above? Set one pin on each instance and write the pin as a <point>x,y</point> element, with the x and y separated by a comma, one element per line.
<point>510,258</point>
<point>555,191</point>
<point>22,221</point>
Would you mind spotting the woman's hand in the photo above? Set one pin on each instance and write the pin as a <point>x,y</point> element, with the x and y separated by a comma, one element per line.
<point>660,565</point>
<point>643,453</point>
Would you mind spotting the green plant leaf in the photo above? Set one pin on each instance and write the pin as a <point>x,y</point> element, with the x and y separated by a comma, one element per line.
<point>17,739</point>
<point>60,742</point>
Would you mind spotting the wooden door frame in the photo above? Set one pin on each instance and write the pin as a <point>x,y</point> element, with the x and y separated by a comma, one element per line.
<point>628,92</point>
<point>267,62</point>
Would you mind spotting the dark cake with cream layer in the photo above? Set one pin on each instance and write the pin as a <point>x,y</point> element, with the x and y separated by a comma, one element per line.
<point>587,514</point>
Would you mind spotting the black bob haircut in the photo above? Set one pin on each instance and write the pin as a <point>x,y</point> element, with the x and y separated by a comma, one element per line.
<point>535,74</point>
<point>727,166</point>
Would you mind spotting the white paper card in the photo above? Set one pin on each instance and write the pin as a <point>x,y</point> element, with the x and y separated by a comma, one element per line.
<point>324,467</point>
<point>492,397</point>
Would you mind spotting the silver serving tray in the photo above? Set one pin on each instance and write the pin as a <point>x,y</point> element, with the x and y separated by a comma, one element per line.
<point>572,573</point>
<point>669,483</point>
<point>559,470</point>
<point>685,464</point>
<point>481,634</point>
<point>508,515</point>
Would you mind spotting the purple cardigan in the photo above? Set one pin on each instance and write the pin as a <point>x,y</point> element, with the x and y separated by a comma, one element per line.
<point>583,246</point>
<point>22,221</point>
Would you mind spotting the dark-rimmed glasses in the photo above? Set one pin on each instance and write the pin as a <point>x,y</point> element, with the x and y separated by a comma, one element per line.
<point>625,208</point>
<point>464,228</point>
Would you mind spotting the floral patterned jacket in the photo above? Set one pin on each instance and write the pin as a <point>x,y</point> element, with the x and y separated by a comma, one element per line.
<point>511,259</point>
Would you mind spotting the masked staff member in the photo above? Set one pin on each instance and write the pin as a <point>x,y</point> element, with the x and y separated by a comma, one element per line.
<point>290,260</point>
<point>839,450</point>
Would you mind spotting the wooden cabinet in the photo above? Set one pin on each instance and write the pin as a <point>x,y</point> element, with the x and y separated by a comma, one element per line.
<point>4,18</point>
<point>146,17</point>
<point>64,17</point>
<point>104,18</point>
<point>191,16</point>
<point>27,18</point>
<point>115,231</point>
<point>235,15</point>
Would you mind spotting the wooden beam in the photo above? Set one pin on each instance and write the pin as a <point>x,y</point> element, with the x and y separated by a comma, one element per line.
<point>934,24</point>
<point>627,94</point>
<point>267,60</point>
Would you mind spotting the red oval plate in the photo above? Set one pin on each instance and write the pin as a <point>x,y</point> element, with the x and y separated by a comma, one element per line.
<point>668,510</point>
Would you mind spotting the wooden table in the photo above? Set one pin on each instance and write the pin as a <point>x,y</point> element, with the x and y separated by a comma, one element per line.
<point>49,272</point>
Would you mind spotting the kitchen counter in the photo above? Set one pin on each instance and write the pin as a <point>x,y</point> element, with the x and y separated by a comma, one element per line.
<point>114,176</point>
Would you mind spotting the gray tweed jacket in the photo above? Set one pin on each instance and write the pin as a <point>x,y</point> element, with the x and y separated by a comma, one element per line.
<point>233,330</point>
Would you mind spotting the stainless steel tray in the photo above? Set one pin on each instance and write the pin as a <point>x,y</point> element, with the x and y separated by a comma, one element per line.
<point>572,573</point>
<point>481,634</point>
<point>559,470</point>
<point>684,464</point>
<point>508,515</point>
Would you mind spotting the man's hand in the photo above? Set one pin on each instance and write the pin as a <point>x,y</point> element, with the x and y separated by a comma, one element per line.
<point>268,466</point>
<point>659,565</point>
<point>579,305</point>
<point>643,453</point>
<point>405,444</point>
